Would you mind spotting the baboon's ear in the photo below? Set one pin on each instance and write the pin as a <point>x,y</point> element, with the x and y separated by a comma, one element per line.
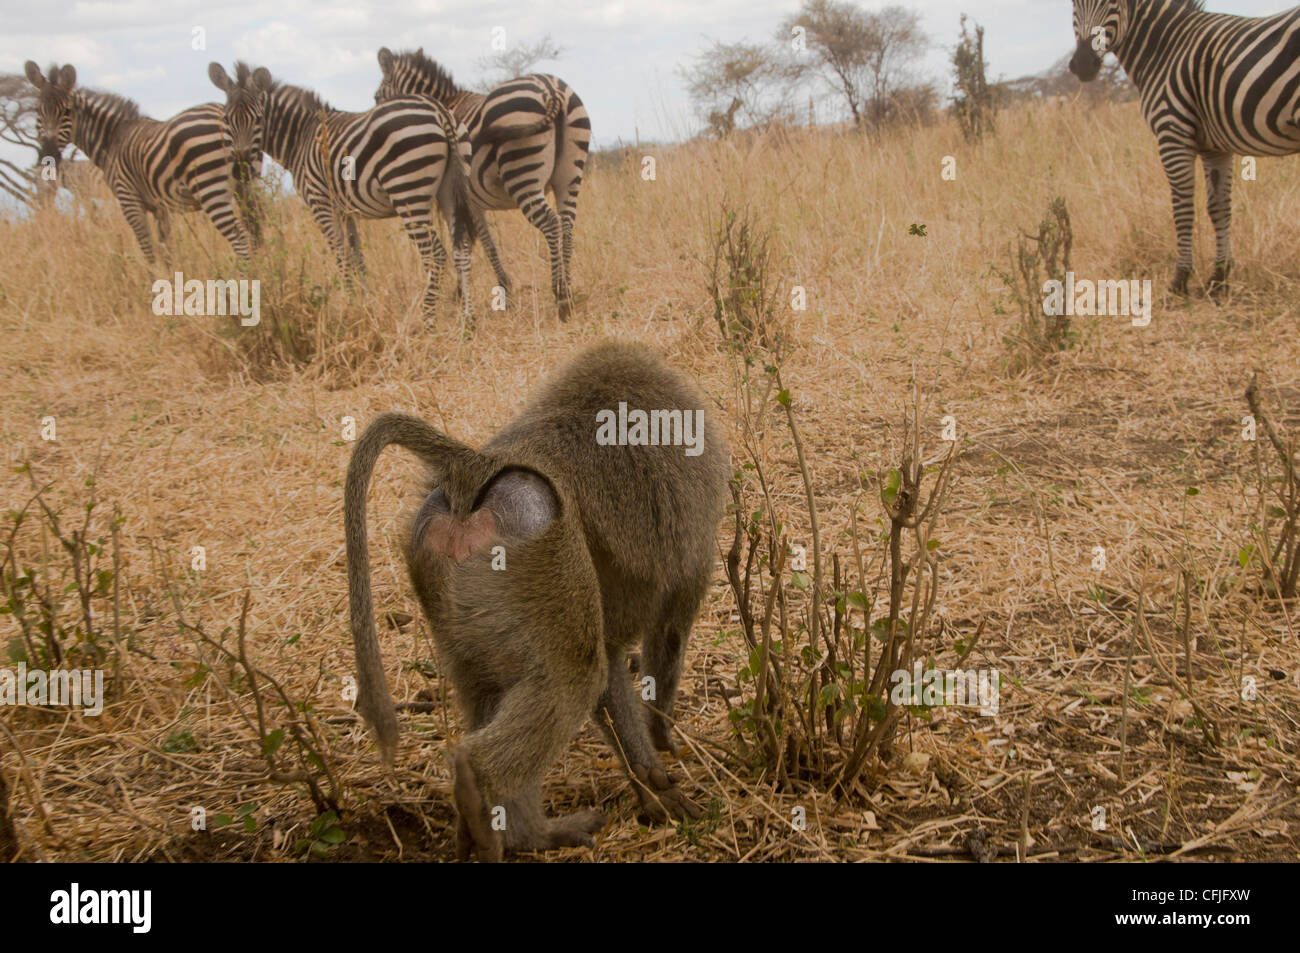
<point>217,73</point>
<point>68,76</point>
<point>34,74</point>
<point>262,79</point>
<point>385,60</point>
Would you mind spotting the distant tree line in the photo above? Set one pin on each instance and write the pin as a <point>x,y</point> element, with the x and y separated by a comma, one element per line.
<point>861,66</point>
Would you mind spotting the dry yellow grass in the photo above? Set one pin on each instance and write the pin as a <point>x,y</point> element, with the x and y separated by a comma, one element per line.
<point>198,444</point>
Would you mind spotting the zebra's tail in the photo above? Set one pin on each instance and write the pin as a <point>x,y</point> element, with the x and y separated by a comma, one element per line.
<point>503,131</point>
<point>458,173</point>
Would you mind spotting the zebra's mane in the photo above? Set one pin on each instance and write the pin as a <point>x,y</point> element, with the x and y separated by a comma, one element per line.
<point>122,107</point>
<point>299,97</point>
<point>242,91</point>
<point>435,81</point>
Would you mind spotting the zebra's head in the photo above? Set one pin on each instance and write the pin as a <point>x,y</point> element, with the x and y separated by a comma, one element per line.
<point>1098,29</point>
<point>245,111</point>
<point>53,106</point>
<point>412,74</point>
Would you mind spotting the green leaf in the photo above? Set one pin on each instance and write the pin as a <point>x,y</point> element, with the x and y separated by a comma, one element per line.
<point>891,486</point>
<point>1192,491</point>
<point>799,580</point>
<point>783,398</point>
<point>1244,554</point>
<point>859,601</point>
<point>271,743</point>
<point>931,544</point>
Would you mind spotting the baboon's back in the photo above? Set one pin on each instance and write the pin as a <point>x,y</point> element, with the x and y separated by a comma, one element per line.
<point>649,512</point>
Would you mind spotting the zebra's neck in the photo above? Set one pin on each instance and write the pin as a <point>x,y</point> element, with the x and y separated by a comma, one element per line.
<point>292,123</point>
<point>97,122</point>
<point>1149,25</point>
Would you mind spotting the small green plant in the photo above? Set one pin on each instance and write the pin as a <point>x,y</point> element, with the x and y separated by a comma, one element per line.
<point>323,837</point>
<point>66,601</point>
<point>244,815</point>
<point>1036,334</point>
<point>702,826</point>
<point>1276,527</point>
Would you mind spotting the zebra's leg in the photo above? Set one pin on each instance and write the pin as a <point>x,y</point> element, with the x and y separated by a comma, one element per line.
<point>354,245</point>
<point>539,212</point>
<point>1218,201</point>
<point>249,210</point>
<point>490,247</point>
<point>419,226</point>
<point>1179,160</point>
<point>135,216</point>
<point>219,204</point>
<point>327,218</point>
<point>163,221</point>
<point>458,217</point>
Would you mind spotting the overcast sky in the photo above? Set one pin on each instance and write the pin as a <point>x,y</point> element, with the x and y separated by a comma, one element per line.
<point>622,56</point>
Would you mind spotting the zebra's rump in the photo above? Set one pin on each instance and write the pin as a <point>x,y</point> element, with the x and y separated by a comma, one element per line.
<point>392,155</point>
<point>521,107</point>
<point>1241,82</point>
<point>173,162</point>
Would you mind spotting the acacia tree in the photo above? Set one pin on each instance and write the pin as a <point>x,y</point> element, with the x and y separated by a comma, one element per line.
<point>727,78</point>
<point>17,127</point>
<point>973,101</point>
<point>864,56</point>
<point>516,61</point>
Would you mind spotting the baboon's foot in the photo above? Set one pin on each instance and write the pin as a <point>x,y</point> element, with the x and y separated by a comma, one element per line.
<point>1179,285</point>
<point>474,831</point>
<point>661,734</point>
<point>660,797</point>
<point>573,830</point>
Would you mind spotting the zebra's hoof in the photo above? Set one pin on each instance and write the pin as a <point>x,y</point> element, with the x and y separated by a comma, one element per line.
<point>566,309</point>
<point>1218,284</point>
<point>1179,285</point>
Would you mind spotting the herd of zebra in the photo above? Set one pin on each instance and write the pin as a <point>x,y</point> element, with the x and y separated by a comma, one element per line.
<point>1213,85</point>
<point>426,143</point>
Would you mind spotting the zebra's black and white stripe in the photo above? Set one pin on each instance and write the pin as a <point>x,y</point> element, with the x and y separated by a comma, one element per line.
<point>1211,84</point>
<point>152,166</point>
<point>245,102</point>
<point>398,159</point>
<point>525,135</point>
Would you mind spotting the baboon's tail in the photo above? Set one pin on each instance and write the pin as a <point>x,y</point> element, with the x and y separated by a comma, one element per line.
<point>443,454</point>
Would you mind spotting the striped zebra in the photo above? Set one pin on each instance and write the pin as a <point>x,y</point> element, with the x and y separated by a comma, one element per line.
<point>243,116</point>
<point>1211,84</point>
<point>399,159</point>
<point>525,135</point>
<point>151,166</point>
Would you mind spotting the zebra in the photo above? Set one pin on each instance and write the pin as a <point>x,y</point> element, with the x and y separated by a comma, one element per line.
<point>1211,84</point>
<point>243,117</point>
<point>151,166</point>
<point>525,135</point>
<point>397,159</point>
